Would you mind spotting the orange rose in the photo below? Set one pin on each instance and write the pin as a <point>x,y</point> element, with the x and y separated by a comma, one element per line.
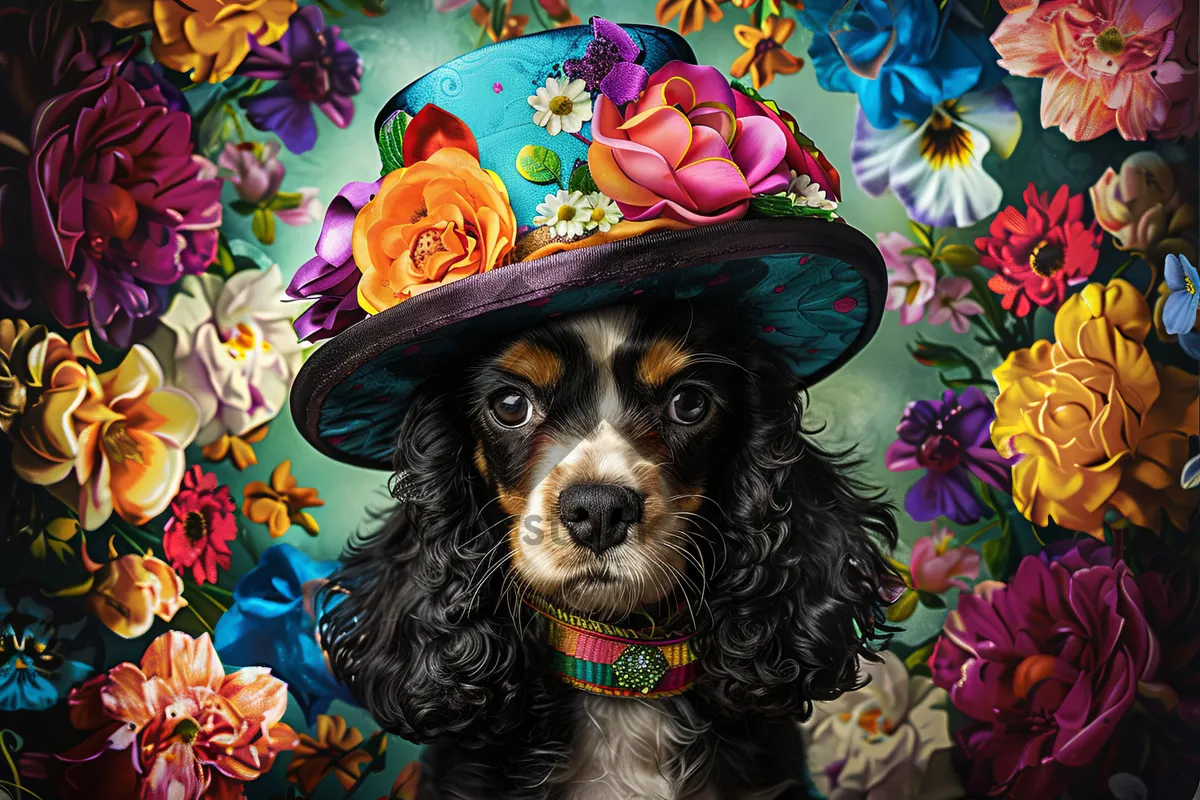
<point>433,223</point>
<point>208,38</point>
<point>1098,425</point>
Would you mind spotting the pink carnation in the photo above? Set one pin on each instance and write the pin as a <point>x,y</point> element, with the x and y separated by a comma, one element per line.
<point>198,534</point>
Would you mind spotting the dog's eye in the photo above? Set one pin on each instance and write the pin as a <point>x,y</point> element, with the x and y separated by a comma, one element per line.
<point>511,408</point>
<point>688,406</point>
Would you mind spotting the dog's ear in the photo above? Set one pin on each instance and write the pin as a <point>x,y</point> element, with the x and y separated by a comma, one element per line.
<point>411,626</point>
<point>797,601</point>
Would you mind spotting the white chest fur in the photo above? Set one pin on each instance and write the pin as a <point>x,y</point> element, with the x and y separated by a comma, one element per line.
<point>627,749</point>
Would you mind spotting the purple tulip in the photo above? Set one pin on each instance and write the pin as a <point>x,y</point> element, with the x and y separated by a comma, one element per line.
<point>1048,666</point>
<point>331,278</point>
<point>120,207</point>
<point>948,438</point>
<point>312,66</point>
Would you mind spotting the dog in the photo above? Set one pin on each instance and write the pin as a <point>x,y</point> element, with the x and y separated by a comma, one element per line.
<point>616,464</point>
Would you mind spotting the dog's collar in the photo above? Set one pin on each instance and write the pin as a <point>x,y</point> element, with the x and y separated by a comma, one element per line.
<point>652,662</point>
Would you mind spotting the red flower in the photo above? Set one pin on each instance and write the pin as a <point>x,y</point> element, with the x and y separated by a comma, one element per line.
<point>198,535</point>
<point>1038,254</point>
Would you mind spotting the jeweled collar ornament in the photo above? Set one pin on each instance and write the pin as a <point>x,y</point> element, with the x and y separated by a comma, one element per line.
<point>651,663</point>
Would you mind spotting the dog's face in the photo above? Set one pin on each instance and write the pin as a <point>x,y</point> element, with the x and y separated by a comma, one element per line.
<point>599,433</point>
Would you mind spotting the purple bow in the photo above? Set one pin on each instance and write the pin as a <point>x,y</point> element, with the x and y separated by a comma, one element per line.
<point>608,66</point>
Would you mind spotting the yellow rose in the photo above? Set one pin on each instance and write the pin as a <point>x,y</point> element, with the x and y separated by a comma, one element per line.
<point>208,38</point>
<point>1096,423</point>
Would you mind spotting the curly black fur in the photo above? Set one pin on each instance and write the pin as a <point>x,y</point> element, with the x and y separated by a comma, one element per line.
<point>427,642</point>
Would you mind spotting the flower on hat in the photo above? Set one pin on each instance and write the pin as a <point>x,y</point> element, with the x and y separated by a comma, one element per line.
<point>608,64</point>
<point>808,193</point>
<point>559,107</point>
<point>564,213</point>
<point>694,149</point>
<point>431,223</point>
<point>602,212</point>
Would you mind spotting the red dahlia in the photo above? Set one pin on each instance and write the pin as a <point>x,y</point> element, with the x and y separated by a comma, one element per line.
<point>198,535</point>
<point>1038,254</point>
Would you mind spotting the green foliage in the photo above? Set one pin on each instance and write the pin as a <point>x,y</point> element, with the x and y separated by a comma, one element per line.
<point>781,205</point>
<point>391,142</point>
<point>581,180</point>
<point>262,225</point>
<point>538,164</point>
<point>904,606</point>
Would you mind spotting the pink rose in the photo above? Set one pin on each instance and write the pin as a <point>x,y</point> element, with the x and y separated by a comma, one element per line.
<point>936,566</point>
<point>693,149</point>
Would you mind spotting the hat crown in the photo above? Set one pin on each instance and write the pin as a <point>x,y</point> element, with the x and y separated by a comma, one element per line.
<point>489,90</point>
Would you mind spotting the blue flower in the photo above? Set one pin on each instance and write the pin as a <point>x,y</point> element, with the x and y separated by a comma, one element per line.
<point>271,624</point>
<point>1179,312</point>
<point>39,662</point>
<point>901,57</point>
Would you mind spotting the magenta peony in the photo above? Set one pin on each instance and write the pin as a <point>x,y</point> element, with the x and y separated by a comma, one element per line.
<point>1047,666</point>
<point>120,207</point>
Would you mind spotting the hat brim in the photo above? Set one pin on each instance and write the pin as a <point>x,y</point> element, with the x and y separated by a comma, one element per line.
<point>814,289</point>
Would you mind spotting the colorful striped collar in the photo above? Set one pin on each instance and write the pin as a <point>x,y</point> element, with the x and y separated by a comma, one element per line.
<point>652,662</point>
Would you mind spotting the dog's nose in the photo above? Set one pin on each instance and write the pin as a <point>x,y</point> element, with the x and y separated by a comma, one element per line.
<point>598,515</point>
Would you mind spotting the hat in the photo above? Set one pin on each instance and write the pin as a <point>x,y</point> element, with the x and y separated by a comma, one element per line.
<point>560,172</point>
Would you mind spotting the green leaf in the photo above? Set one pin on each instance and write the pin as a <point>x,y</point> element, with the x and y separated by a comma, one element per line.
<point>931,600</point>
<point>924,234</point>
<point>581,180</point>
<point>244,207</point>
<point>284,201</point>
<point>914,251</point>
<point>225,258</point>
<point>919,656</point>
<point>986,298</point>
<point>262,225</point>
<point>391,142</point>
<point>904,606</point>
<point>996,554</point>
<point>959,256</point>
<point>780,205</point>
<point>538,164</point>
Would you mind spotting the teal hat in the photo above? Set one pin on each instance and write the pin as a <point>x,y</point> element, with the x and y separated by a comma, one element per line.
<point>561,172</point>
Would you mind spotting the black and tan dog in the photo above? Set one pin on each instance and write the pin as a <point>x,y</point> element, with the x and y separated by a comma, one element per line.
<point>616,464</point>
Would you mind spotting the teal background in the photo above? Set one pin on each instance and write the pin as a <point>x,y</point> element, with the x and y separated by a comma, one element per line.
<point>860,405</point>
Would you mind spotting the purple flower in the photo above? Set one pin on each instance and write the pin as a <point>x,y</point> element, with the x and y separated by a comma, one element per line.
<point>332,277</point>
<point>313,66</point>
<point>120,207</point>
<point>1047,666</point>
<point>608,64</point>
<point>1077,554</point>
<point>949,439</point>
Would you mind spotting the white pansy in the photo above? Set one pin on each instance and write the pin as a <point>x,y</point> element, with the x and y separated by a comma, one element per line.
<point>560,107</point>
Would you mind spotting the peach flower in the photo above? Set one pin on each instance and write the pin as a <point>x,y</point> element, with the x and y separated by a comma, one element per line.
<point>936,566</point>
<point>1142,207</point>
<point>177,726</point>
<point>129,592</point>
<point>208,38</point>
<point>1097,424</point>
<point>107,442</point>
<point>430,224</point>
<point>29,358</point>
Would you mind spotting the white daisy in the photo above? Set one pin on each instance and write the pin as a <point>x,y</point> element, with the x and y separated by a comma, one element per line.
<point>602,212</point>
<point>564,213</point>
<point>561,107</point>
<point>807,193</point>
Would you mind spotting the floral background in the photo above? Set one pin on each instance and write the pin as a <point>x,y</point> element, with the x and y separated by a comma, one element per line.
<point>1028,169</point>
